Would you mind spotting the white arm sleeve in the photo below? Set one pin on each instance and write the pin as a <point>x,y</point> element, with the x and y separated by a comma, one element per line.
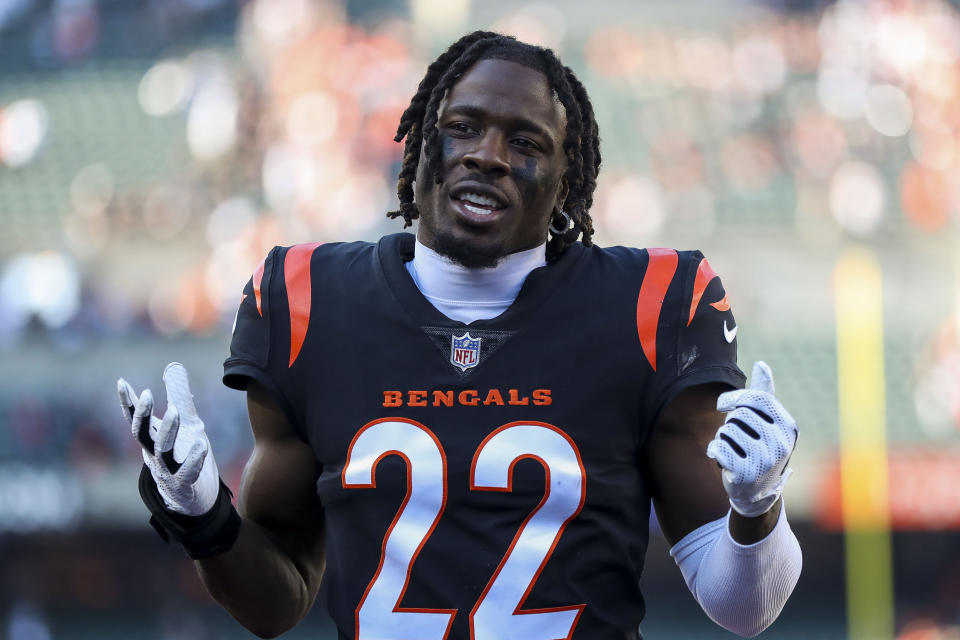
<point>741,587</point>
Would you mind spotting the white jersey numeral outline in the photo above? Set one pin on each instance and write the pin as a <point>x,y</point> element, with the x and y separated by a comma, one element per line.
<point>378,615</point>
<point>497,615</point>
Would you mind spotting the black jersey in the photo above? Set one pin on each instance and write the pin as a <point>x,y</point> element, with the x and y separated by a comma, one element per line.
<point>482,480</point>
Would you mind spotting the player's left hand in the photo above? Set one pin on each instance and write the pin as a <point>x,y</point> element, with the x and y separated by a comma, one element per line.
<point>754,445</point>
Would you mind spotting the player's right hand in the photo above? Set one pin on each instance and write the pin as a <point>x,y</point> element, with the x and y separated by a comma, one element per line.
<point>175,449</point>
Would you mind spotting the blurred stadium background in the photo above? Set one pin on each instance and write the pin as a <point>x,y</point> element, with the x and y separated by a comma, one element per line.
<point>152,151</point>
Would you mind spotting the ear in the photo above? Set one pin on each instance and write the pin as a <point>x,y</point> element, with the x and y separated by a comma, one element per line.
<point>562,191</point>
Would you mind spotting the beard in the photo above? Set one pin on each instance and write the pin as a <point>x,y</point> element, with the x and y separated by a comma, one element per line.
<point>468,255</point>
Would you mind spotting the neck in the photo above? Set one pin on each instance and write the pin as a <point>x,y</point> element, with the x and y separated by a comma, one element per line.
<point>472,294</point>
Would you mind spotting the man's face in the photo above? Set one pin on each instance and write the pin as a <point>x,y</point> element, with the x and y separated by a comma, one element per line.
<point>501,132</point>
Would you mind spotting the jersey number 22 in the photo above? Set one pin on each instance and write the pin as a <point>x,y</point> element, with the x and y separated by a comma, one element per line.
<point>497,614</point>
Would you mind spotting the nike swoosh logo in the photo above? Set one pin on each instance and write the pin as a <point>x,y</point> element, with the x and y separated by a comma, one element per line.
<point>729,334</point>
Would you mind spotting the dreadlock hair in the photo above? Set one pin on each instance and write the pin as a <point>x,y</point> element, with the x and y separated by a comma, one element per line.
<point>418,125</point>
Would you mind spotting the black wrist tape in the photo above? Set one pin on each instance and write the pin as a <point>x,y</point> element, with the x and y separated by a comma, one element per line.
<point>203,536</point>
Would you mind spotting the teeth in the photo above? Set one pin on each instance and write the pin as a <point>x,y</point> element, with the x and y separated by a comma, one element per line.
<point>477,210</point>
<point>476,198</point>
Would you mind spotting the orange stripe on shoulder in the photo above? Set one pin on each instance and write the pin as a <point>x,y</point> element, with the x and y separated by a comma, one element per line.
<point>296,274</point>
<point>721,305</point>
<point>257,279</point>
<point>656,280</point>
<point>705,274</point>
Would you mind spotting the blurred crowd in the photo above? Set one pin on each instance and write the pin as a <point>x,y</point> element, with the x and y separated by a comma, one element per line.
<point>840,122</point>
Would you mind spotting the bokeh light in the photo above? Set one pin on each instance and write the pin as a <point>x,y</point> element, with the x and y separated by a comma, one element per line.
<point>857,197</point>
<point>888,110</point>
<point>279,177</point>
<point>23,129</point>
<point>212,119</point>
<point>92,189</point>
<point>927,197</point>
<point>759,64</point>
<point>229,220</point>
<point>165,88</point>
<point>842,91</point>
<point>279,21</point>
<point>45,284</point>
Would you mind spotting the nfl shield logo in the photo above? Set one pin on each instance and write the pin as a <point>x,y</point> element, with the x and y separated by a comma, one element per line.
<point>464,351</point>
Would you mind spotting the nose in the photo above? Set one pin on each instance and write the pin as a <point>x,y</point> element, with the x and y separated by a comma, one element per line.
<point>489,154</point>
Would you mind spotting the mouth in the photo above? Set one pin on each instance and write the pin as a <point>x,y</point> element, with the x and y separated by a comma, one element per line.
<point>478,202</point>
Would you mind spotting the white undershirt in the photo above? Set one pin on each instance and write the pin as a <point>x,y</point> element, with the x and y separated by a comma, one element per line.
<point>466,295</point>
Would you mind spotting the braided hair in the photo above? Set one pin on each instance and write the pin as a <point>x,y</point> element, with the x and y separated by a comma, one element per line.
<point>581,146</point>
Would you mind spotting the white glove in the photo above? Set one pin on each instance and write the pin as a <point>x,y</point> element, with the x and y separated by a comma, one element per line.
<point>754,445</point>
<point>175,449</point>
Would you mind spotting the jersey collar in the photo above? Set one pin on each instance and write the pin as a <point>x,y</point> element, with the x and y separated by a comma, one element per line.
<point>540,283</point>
<point>465,294</point>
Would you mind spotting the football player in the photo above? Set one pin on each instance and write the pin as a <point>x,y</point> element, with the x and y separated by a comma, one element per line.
<point>463,431</point>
